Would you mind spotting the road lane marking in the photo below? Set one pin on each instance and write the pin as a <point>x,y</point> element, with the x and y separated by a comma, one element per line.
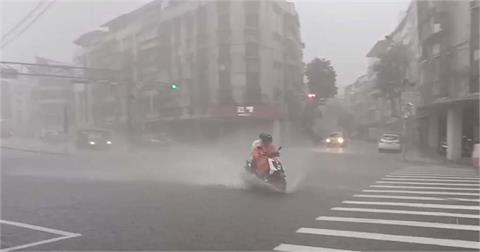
<point>427,187</point>
<point>401,223</point>
<point>63,235</point>
<point>373,210</point>
<point>28,245</point>
<point>424,192</point>
<point>428,176</point>
<point>428,179</point>
<point>292,247</point>
<point>38,228</point>
<point>394,238</point>
<point>406,204</point>
<point>421,183</point>
<point>412,198</point>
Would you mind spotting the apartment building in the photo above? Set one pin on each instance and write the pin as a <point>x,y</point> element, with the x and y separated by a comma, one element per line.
<point>448,34</point>
<point>16,107</point>
<point>441,79</point>
<point>223,56</point>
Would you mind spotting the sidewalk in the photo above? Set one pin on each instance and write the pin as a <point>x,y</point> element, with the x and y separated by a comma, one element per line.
<point>416,156</point>
<point>412,156</point>
<point>34,145</point>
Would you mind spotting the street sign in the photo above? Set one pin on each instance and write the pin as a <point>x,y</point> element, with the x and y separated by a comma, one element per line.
<point>245,110</point>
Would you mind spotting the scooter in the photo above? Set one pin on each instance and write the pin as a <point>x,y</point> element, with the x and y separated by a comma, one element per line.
<point>276,178</point>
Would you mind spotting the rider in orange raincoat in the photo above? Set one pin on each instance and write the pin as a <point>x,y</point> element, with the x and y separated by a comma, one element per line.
<point>262,149</point>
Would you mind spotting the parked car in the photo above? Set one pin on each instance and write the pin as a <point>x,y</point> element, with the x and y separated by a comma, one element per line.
<point>94,139</point>
<point>6,133</point>
<point>389,143</point>
<point>53,136</point>
<point>335,139</point>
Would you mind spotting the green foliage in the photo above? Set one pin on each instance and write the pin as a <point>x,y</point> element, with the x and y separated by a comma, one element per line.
<point>321,78</point>
<point>391,70</point>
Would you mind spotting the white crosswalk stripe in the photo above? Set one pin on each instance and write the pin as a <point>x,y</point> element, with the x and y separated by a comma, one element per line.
<point>428,187</point>
<point>422,183</point>
<point>291,247</point>
<point>425,213</point>
<point>406,204</point>
<point>412,198</point>
<point>433,177</point>
<point>428,180</point>
<point>424,192</point>
<point>395,238</point>
<point>399,200</point>
<point>401,223</point>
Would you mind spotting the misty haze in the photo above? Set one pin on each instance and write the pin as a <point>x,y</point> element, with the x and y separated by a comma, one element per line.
<point>286,125</point>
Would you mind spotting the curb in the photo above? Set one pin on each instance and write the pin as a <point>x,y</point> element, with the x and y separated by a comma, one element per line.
<point>34,151</point>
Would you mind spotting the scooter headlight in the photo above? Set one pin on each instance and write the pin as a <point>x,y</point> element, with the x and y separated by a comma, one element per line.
<point>340,140</point>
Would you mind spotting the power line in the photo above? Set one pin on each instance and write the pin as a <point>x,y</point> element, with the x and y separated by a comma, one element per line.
<point>29,24</point>
<point>25,18</point>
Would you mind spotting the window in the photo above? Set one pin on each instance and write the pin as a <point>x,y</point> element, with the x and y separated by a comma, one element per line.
<point>252,66</point>
<point>223,37</point>
<point>252,6</point>
<point>223,6</point>
<point>277,65</point>
<point>224,52</point>
<point>436,50</point>
<point>437,27</point>
<point>201,19</point>
<point>224,22</point>
<point>188,24</point>
<point>251,20</point>
<point>224,78</point>
<point>253,92</point>
<point>251,50</point>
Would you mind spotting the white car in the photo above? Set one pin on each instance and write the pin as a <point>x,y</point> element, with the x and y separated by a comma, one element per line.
<point>389,142</point>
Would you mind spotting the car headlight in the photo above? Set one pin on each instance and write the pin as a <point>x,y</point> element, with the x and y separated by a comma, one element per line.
<point>340,140</point>
<point>328,140</point>
<point>109,142</point>
<point>91,143</point>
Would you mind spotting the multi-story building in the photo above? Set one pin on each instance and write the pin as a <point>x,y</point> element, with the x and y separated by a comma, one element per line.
<point>441,80</point>
<point>224,56</point>
<point>16,106</point>
<point>448,74</point>
<point>51,99</point>
<point>362,98</point>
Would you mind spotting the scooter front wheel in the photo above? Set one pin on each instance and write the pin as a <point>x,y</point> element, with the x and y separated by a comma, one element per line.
<point>280,184</point>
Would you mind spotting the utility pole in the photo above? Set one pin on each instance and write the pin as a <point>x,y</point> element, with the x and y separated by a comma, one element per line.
<point>409,111</point>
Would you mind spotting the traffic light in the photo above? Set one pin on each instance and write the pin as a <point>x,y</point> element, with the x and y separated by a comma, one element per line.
<point>173,86</point>
<point>311,96</point>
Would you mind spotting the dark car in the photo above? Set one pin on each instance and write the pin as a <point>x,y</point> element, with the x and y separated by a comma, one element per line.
<point>336,139</point>
<point>94,139</point>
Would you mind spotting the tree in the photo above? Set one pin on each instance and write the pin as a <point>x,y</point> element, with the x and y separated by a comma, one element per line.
<point>391,71</point>
<point>321,77</point>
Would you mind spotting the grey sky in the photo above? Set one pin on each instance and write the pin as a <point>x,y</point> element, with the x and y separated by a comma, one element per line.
<point>340,30</point>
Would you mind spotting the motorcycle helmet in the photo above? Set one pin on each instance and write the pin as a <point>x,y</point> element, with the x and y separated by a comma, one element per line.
<point>265,137</point>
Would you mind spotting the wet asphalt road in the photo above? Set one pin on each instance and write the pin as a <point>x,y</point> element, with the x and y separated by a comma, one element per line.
<point>167,200</point>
